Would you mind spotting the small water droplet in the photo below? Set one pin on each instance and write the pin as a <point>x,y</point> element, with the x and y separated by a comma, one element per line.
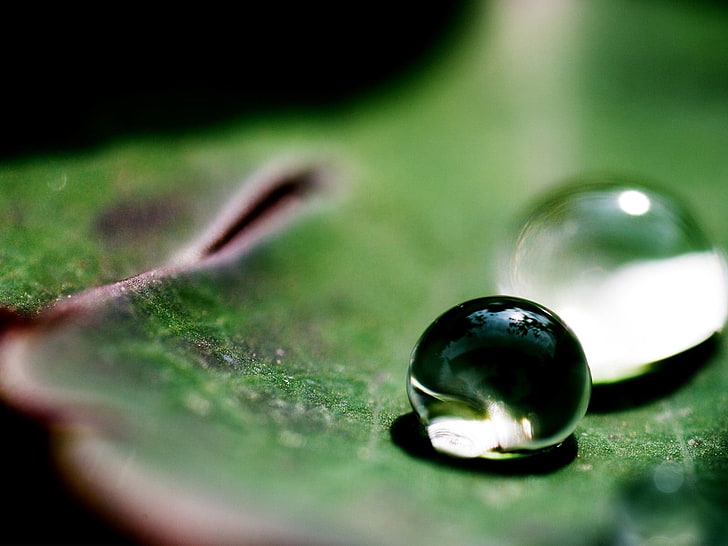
<point>668,477</point>
<point>626,267</point>
<point>197,404</point>
<point>59,182</point>
<point>666,506</point>
<point>498,377</point>
<point>228,358</point>
<point>292,439</point>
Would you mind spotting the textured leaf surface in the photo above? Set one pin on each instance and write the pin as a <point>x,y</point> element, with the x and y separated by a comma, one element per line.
<point>265,397</point>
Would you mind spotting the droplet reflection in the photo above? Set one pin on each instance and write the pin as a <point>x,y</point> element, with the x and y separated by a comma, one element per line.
<point>498,377</point>
<point>627,268</point>
<point>634,202</point>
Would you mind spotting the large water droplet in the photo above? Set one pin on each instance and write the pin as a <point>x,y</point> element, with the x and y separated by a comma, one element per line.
<point>498,377</point>
<point>627,268</point>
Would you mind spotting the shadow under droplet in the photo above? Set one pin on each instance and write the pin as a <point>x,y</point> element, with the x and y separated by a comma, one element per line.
<point>665,378</point>
<point>408,434</point>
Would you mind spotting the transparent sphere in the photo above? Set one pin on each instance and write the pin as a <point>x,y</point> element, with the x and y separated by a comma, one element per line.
<point>498,377</point>
<point>627,268</point>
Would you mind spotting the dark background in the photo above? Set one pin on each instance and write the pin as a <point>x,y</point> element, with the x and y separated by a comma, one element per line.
<point>76,78</point>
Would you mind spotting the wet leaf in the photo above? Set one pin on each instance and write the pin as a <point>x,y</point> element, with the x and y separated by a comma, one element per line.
<point>261,396</point>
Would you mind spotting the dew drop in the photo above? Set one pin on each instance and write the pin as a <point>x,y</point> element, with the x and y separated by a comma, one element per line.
<point>498,377</point>
<point>666,506</point>
<point>58,183</point>
<point>668,477</point>
<point>627,267</point>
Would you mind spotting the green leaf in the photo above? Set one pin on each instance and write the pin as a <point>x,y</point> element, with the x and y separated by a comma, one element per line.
<point>263,397</point>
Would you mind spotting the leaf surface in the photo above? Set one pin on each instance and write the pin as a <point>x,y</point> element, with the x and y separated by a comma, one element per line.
<point>263,397</point>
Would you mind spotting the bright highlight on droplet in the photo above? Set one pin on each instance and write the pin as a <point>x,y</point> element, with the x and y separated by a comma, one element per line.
<point>627,268</point>
<point>634,202</point>
<point>498,377</point>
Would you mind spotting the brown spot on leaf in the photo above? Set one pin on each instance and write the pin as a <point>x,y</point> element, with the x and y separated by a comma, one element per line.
<point>10,319</point>
<point>136,219</point>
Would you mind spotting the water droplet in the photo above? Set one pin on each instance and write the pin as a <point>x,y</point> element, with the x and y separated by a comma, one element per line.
<point>626,267</point>
<point>57,183</point>
<point>668,477</point>
<point>668,506</point>
<point>498,377</point>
